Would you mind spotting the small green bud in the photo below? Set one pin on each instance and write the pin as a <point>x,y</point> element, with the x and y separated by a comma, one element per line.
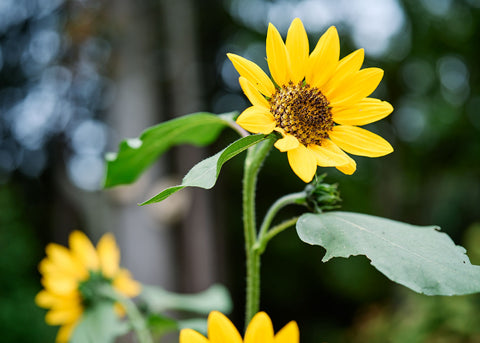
<point>322,196</point>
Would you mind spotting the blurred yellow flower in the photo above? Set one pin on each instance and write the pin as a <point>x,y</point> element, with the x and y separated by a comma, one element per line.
<point>260,329</point>
<point>70,278</point>
<point>316,101</point>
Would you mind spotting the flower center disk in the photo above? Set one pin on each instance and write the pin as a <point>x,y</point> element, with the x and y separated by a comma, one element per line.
<point>303,112</point>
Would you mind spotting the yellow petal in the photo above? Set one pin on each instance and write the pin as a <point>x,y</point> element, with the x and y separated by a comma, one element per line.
<point>327,157</point>
<point>324,59</point>
<point>277,57</point>
<point>59,284</point>
<point>358,141</point>
<point>65,332</point>
<point>68,302</point>
<point>347,66</point>
<point>282,131</point>
<point>298,49</point>
<point>257,119</point>
<point>124,283</point>
<point>355,88</point>
<point>348,168</point>
<point>303,162</point>
<point>255,97</point>
<point>364,112</point>
<point>260,329</point>
<point>191,336</point>
<point>47,299</point>
<point>328,144</point>
<point>253,73</point>
<point>289,334</point>
<point>49,267</point>
<point>84,250</point>
<point>288,142</point>
<point>221,329</point>
<point>109,255</point>
<point>59,316</point>
<point>46,266</point>
<point>65,261</point>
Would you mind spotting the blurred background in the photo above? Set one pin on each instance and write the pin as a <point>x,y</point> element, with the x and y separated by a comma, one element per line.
<point>77,76</point>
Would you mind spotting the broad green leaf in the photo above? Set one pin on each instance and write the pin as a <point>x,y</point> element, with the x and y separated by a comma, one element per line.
<point>214,298</point>
<point>205,173</point>
<point>137,154</point>
<point>418,257</point>
<point>99,324</point>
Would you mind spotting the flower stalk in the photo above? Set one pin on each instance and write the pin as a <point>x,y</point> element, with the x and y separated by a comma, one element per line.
<point>316,196</point>
<point>262,242</point>
<point>294,198</point>
<point>135,318</point>
<point>253,162</point>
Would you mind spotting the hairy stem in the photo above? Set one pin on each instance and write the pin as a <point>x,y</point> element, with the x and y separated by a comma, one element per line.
<point>253,162</point>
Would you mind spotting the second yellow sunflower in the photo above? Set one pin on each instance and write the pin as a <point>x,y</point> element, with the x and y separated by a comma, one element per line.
<point>72,278</point>
<point>316,101</point>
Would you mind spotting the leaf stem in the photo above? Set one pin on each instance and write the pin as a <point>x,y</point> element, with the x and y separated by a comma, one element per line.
<point>262,244</point>
<point>253,162</point>
<point>137,321</point>
<point>134,316</point>
<point>294,198</point>
<point>241,132</point>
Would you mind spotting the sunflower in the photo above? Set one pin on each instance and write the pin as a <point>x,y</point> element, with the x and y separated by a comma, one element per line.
<point>260,329</point>
<point>316,101</point>
<point>72,277</point>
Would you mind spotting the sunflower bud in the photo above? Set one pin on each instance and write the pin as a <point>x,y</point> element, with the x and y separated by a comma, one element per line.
<point>322,196</point>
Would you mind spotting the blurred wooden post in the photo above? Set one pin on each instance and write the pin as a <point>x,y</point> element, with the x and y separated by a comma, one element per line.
<point>183,73</point>
<point>146,243</point>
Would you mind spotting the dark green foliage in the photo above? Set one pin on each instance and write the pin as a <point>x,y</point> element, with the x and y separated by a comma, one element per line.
<point>19,284</point>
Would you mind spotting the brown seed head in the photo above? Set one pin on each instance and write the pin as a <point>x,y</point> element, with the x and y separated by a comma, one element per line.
<point>303,112</point>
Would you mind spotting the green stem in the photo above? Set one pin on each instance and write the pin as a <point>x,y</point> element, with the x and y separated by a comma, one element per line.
<point>137,321</point>
<point>253,162</point>
<point>262,243</point>
<point>134,316</point>
<point>294,198</point>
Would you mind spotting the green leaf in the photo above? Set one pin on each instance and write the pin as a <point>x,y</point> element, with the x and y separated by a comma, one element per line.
<point>137,154</point>
<point>99,324</point>
<point>205,173</point>
<point>418,257</point>
<point>160,325</point>
<point>214,298</point>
